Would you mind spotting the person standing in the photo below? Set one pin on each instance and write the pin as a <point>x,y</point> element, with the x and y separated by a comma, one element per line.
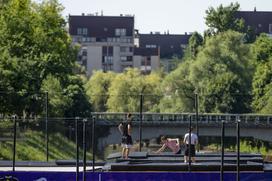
<point>172,143</point>
<point>188,149</point>
<point>125,129</point>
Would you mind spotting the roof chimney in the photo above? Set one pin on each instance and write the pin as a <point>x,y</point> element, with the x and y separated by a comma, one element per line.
<point>101,12</point>
<point>83,14</point>
<point>255,9</point>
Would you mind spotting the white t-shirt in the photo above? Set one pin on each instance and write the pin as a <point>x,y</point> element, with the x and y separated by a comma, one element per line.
<point>194,138</point>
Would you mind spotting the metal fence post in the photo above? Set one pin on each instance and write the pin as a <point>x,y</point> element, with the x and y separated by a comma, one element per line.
<point>93,143</point>
<point>190,144</point>
<point>77,148</point>
<point>46,126</point>
<point>238,150</point>
<point>141,121</point>
<point>14,141</point>
<point>196,112</point>
<point>84,149</point>
<point>222,151</point>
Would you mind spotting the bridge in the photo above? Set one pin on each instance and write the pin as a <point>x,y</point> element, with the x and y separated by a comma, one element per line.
<point>157,124</point>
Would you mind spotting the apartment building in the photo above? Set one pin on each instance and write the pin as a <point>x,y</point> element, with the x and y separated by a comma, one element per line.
<point>107,42</point>
<point>146,59</point>
<point>259,21</point>
<point>171,46</point>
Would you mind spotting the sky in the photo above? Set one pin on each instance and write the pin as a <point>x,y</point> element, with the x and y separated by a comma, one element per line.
<point>175,16</point>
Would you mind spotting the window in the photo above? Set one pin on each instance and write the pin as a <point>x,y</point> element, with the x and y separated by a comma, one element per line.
<point>120,32</point>
<point>84,52</point>
<point>129,58</point>
<point>117,32</point>
<point>79,31</point>
<point>146,61</point>
<point>126,58</point>
<point>107,59</point>
<point>123,49</point>
<point>123,32</point>
<point>82,31</point>
<point>126,49</point>
<point>107,50</point>
<point>270,28</point>
<point>107,68</point>
<point>75,39</point>
<point>150,46</point>
<point>123,59</point>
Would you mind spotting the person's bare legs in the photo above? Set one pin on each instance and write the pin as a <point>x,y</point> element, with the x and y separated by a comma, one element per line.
<point>127,153</point>
<point>185,159</point>
<point>123,152</point>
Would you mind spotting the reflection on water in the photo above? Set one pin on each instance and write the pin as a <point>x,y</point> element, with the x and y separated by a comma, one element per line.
<point>207,144</point>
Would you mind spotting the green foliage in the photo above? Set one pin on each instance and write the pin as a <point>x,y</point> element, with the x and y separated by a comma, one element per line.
<point>57,100</point>
<point>195,42</point>
<point>178,90</point>
<point>97,89</point>
<point>262,85</point>
<point>75,91</point>
<point>262,49</point>
<point>222,73</point>
<point>34,44</point>
<point>222,19</point>
<point>126,88</point>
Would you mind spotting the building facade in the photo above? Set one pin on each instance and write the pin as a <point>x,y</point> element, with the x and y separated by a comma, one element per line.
<point>258,21</point>
<point>107,42</point>
<point>170,46</point>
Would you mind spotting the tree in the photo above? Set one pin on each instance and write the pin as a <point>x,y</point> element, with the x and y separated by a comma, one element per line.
<point>97,89</point>
<point>79,105</point>
<point>222,73</point>
<point>178,90</point>
<point>126,88</point>
<point>223,18</point>
<point>58,102</point>
<point>33,44</point>
<point>195,42</point>
<point>262,84</point>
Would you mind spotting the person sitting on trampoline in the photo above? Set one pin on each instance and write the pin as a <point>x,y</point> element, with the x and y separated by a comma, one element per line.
<point>172,143</point>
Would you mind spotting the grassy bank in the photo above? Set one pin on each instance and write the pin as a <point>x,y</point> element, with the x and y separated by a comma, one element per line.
<point>31,146</point>
<point>245,147</point>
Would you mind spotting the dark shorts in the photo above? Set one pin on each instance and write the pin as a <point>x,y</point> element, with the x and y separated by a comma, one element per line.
<point>126,140</point>
<point>192,151</point>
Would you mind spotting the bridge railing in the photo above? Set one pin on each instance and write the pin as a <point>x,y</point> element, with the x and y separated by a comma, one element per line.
<point>247,119</point>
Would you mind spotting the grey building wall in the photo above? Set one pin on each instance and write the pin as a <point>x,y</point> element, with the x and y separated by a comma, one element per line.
<point>94,59</point>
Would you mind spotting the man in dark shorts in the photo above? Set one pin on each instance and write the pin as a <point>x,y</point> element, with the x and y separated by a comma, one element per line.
<point>126,130</point>
<point>194,142</point>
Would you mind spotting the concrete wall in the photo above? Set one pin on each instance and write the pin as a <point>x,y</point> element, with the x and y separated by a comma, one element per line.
<point>155,62</point>
<point>94,59</point>
<point>150,132</point>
